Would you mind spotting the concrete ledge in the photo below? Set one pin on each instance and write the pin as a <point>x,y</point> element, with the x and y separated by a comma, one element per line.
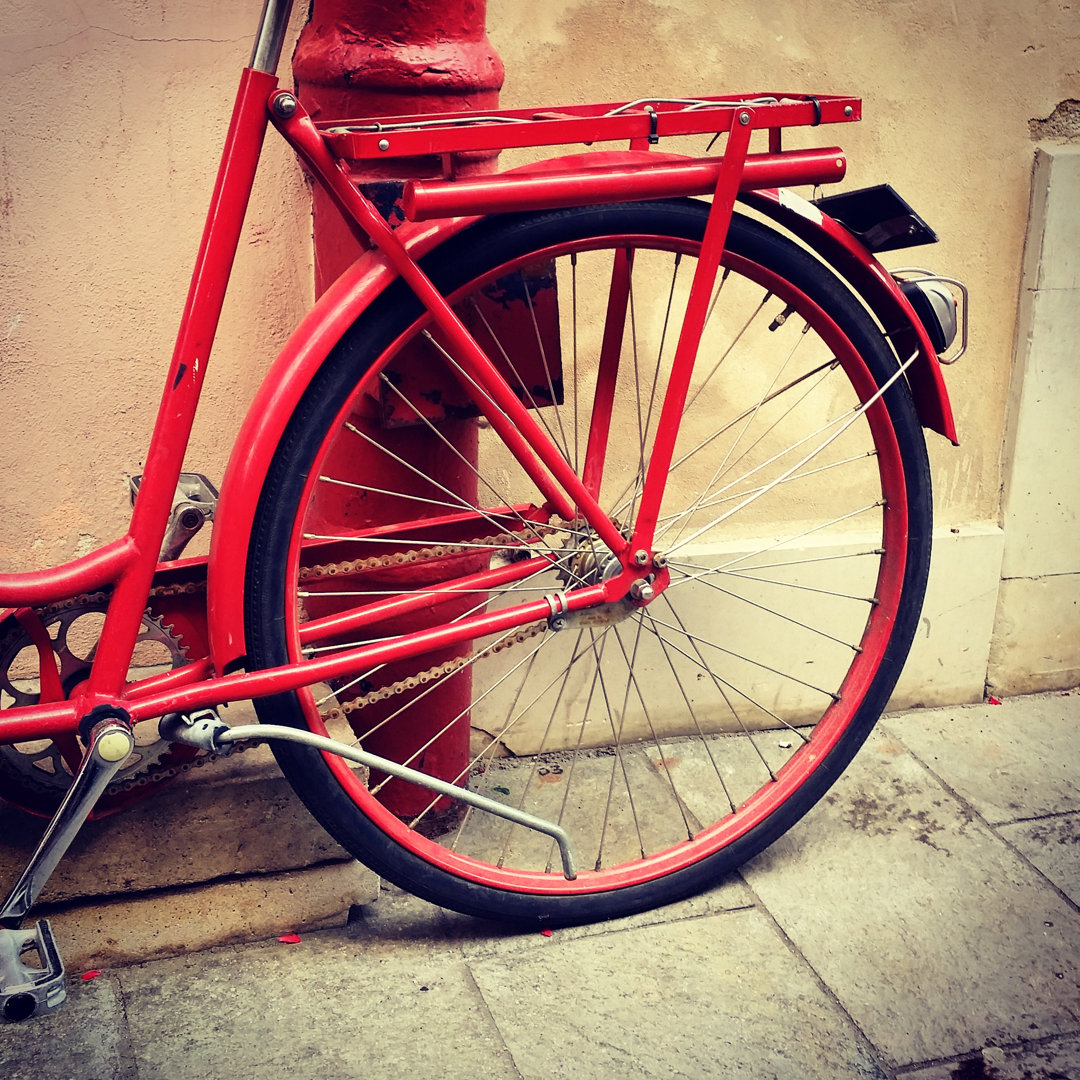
<point>947,663</point>
<point>1036,640</point>
<point>172,922</point>
<point>205,825</point>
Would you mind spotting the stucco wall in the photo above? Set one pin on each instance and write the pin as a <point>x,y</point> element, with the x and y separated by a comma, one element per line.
<point>114,116</point>
<point>113,112</point>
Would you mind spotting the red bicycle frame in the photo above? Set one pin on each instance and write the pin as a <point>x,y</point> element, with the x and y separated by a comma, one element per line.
<point>128,565</point>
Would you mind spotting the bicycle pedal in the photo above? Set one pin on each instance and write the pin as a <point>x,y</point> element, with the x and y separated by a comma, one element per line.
<point>190,488</point>
<point>194,503</point>
<point>27,990</point>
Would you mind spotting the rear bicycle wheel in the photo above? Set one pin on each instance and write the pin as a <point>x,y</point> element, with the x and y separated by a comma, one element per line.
<point>672,739</point>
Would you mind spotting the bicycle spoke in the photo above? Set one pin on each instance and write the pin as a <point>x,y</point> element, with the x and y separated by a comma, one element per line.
<point>778,614</point>
<point>692,712</point>
<point>453,450</point>
<point>821,371</point>
<point>746,659</point>
<point>788,540</point>
<point>563,441</point>
<point>721,685</point>
<point>632,683</point>
<point>518,377</point>
<point>844,424</point>
<point>707,503</point>
<point>620,761</point>
<point>726,462</point>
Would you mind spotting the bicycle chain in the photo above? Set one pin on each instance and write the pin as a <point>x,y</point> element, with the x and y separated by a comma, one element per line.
<point>326,570</point>
<point>421,678</point>
<point>404,558</point>
<point>86,599</point>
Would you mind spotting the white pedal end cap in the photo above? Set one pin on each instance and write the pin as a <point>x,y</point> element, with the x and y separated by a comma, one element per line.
<point>114,745</point>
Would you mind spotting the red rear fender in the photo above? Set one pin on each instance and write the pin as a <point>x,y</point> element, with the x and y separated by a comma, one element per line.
<point>878,289</point>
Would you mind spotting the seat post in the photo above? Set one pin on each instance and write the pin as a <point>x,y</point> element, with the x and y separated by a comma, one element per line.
<point>271,35</point>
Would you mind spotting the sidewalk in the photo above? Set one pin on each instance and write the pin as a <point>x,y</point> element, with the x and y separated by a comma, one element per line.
<point>922,922</point>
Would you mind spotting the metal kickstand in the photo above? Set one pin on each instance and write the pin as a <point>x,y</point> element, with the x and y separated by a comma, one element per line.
<point>27,990</point>
<point>206,730</point>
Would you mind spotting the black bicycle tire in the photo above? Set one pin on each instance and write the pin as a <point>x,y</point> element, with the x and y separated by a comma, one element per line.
<point>491,243</point>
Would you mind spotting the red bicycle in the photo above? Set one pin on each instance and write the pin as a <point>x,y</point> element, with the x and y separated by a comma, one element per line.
<point>572,546</point>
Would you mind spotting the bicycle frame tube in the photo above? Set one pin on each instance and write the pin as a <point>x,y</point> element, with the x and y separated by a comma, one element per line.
<point>37,721</point>
<point>712,249</point>
<point>187,371</point>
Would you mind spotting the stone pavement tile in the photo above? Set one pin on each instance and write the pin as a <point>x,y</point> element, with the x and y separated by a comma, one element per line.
<point>84,1038</point>
<point>1015,760</point>
<point>1053,845</point>
<point>720,996</point>
<point>397,915</point>
<point>935,936</point>
<point>1056,1059</point>
<point>331,1007</point>
<point>479,937</point>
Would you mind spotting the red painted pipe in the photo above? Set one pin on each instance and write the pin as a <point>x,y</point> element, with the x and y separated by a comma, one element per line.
<point>368,58</point>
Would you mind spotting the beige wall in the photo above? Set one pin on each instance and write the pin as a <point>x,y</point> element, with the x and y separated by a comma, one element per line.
<point>113,110</point>
<point>114,114</point>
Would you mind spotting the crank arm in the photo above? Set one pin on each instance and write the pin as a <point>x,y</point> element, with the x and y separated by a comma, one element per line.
<point>27,990</point>
<point>206,731</point>
<point>111,743</point>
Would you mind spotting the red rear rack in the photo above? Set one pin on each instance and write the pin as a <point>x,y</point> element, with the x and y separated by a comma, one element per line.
<point>645,119</point>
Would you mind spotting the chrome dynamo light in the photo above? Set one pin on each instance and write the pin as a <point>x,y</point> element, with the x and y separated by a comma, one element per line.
<point>933,300</point>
